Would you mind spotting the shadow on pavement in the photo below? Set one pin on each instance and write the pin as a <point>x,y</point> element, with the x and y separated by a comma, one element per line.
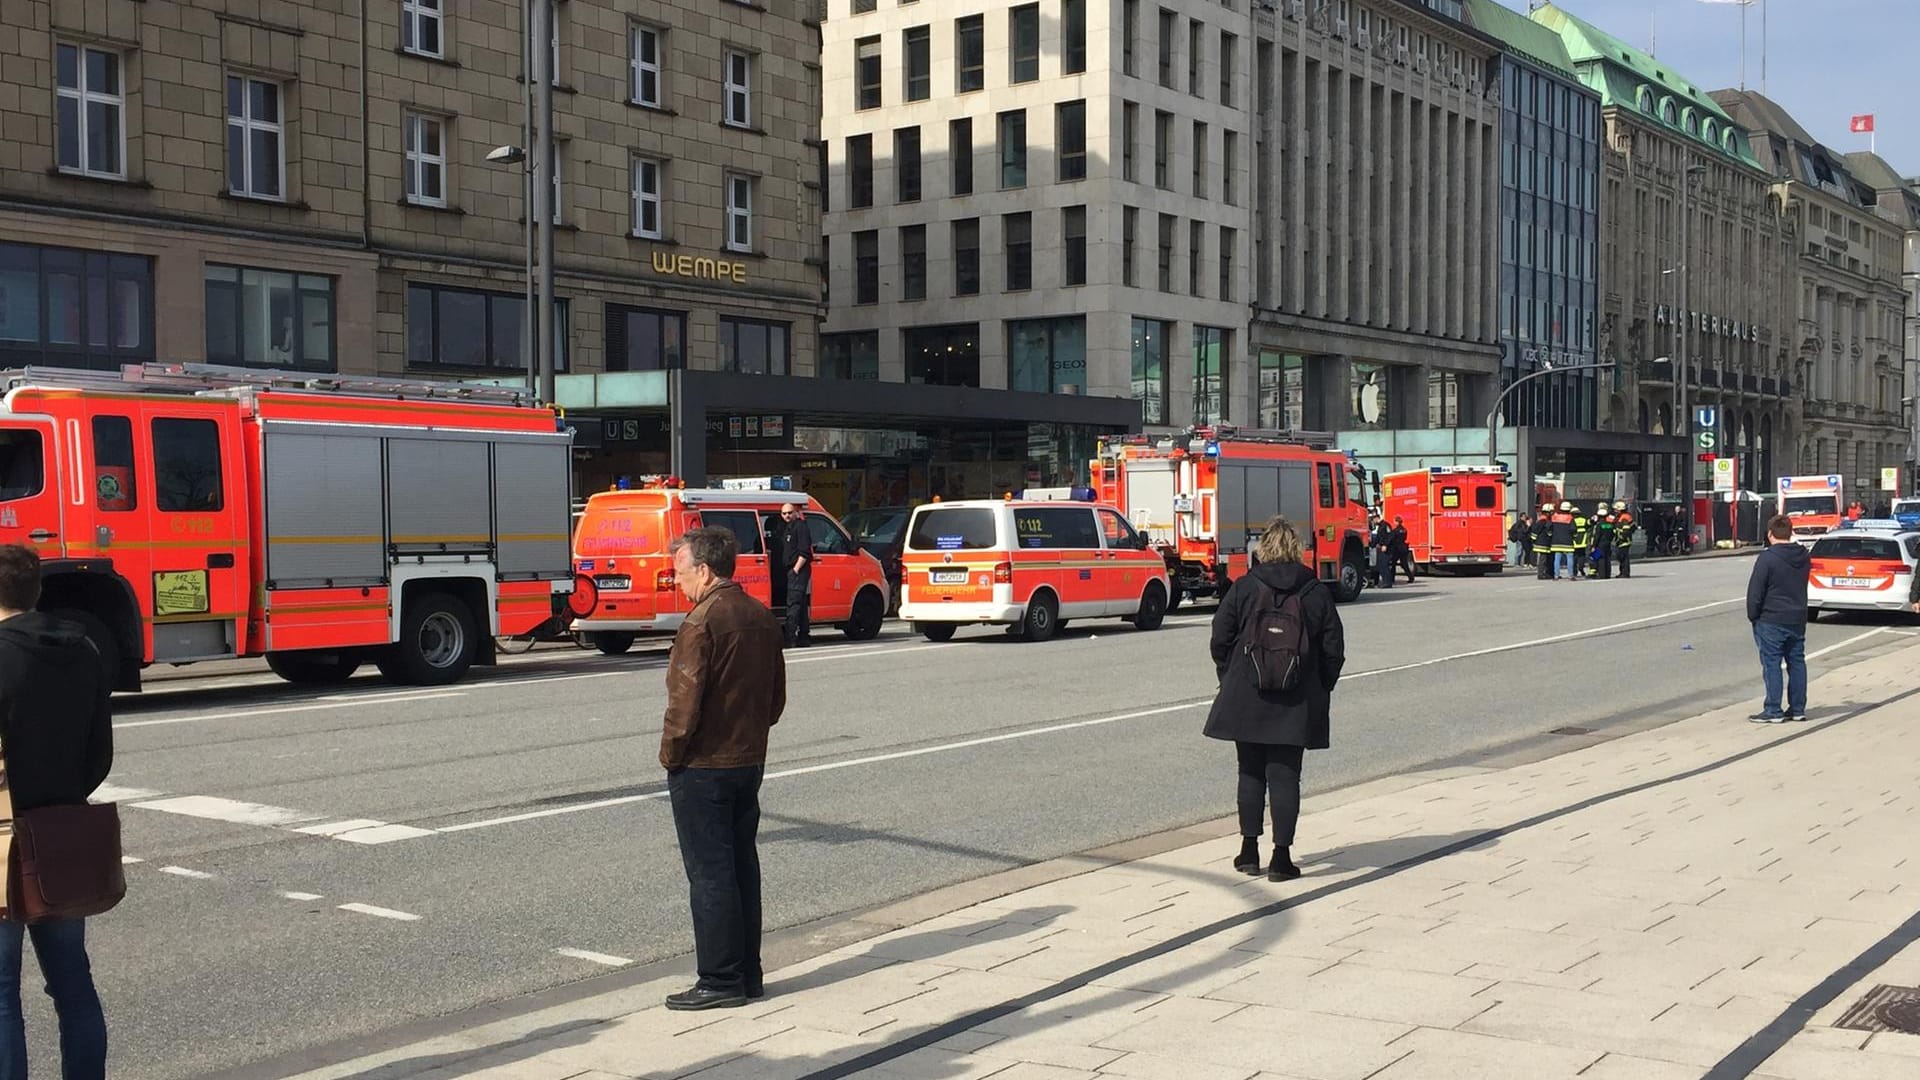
<point>1375,854</point>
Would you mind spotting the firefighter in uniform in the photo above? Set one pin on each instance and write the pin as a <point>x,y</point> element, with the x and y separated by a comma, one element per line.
<point>1603,542</point>
<point>1543,543</point>
<point>1563,539</point>
<point>1624,527</point>
<point>1582,539</point>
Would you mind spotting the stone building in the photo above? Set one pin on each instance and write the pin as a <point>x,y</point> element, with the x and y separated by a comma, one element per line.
<point>1899,200</point>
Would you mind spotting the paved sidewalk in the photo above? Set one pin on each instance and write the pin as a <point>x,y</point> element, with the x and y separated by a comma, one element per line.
<point>1663,905</point>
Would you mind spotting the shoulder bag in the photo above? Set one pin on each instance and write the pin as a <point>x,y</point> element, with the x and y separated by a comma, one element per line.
<point>62,862</point>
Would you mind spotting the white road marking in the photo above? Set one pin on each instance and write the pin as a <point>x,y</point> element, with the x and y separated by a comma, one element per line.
<point>114,793</point>
<point>335,828</point>
<point>303,896</point>
<point>554,678</point>
<point>230,810</point>
<point>279,710</point>
<point>1589,632</point>
<point>1837,646</point>
<point>181,871</point>
<point>595,957</point>
<point>128,860</point>
<point>384,834</point>
<point>380,912</point>
<point>791,659</point>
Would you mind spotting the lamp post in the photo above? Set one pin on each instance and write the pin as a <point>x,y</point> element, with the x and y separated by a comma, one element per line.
<point>1493,416</point>
<point>514,155</point>
<point>1682,363</point>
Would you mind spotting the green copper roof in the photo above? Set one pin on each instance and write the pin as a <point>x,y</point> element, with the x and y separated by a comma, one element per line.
<point>1627,78</point>
<point>1520,34</point>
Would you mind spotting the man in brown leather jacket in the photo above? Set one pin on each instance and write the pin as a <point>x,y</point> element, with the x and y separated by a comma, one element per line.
<point>726,687</point>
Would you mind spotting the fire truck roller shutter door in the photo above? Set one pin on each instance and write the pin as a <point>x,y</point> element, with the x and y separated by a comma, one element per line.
<point>532,491</point>
<point>440,500</point>
<point>325,515</point>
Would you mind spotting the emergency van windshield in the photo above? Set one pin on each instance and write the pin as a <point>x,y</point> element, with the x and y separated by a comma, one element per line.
<point>21,468</point>
<point>1809,505</point>
<point>957,528</point>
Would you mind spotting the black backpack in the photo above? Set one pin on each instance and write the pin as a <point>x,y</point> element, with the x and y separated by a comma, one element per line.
<point>1274,637</point>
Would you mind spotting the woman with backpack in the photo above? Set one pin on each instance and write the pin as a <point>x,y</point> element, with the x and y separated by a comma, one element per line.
<point>1278,649</point>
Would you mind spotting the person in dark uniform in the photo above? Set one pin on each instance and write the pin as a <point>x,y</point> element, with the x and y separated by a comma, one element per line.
<point>1603,542</point>
<point>1383,571</point>
<point>1582,541</point>
<point>796,549</point>
<point>1402,550</point>
<point>1543,543</point>
<point>1624,527</point>
<point>1564,540</point>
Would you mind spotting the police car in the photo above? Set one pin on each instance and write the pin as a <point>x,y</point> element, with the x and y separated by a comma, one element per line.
<point>1864,565</point>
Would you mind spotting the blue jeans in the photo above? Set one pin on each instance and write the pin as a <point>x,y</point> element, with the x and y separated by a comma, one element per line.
<point>61,946</point>
<point>1562,560</point>
<point>1783,644</point>
<point>716,815</point>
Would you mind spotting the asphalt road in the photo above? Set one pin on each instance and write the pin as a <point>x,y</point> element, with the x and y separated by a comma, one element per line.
<point>519,814</point>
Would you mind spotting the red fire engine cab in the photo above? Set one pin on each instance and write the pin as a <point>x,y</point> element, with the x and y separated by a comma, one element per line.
<point>1203,498</point>
<point>187,512</point>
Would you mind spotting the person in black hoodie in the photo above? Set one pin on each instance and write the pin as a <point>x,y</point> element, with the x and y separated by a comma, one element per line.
<point>56,730</point>
<point>1272,730</point>
<point>1777,608</point>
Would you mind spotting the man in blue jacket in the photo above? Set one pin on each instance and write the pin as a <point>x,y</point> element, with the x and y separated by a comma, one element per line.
<point>1777,608</point>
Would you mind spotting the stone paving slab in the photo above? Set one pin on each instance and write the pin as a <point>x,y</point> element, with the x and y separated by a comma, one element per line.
<point>1643,938</point>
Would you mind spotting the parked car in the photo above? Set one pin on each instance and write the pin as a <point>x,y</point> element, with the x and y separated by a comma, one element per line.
<point>882,533</point>
<point>1862,569</point>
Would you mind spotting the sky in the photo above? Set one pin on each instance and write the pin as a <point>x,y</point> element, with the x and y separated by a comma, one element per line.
<point>1827,60</point>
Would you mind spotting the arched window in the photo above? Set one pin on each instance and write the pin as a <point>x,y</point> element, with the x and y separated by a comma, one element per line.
<point>1669,114</point>
<point>1731,142</point>
<point>1643,100</point>
<point>1690,120</point>
<point>1710,131</point>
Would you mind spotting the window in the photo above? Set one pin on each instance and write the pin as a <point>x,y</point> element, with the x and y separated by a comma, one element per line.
<point>906,164</point>
<point>1229,239</point>
<point>1129,135</point>
<point>1013,149</point>
<point>913,262</point>
<point>1046,356</point>
<point>866,73</point>
<point>739,212</point>
<point>1485,498</point>
<point>1073,29</point>
<point>966,257</point>
<point>1229,164</point>
<point>1167,222</point>
<point>74,308</point>
<point>1070,136</point>
<point>1129,30</point>
<point>752,347</point>
<point>1210,374</point>
<point>1196,55</point>
<point>860,171</point>
<point>1023,49</point>
<point>1073,231</point>
<point>256,165</point>
<point>639,339</point>
<point>646,66</point>
<point>1017,239</point>
<point>90,112</point>
<point>918,43</point>
<point>828,538</point>
<point>739,90</point>
<point>862,7</point>
<point>116,490</point>
<point>970,51</point>
<point>465,328</point>
<point>1196,260</point>
<point>1323,481</point>
<point>648,181</point>
<point>267,318</point>
<point>1169,25</point>
<point>943,355</point>
<point>23,463</point>
<point>1058,528</point>
<point>426,178</point>
<point>420,27</point>
<point>186,466</point>
<point>853,357</point>
<point>866,267</point>
<point>1129,239</point>
<point>1229,50</point>
<point>960,149</point>
<point>1199,160</point>
<point>1162,148</point>
<point>953,528</point>
<point>1150,368</point>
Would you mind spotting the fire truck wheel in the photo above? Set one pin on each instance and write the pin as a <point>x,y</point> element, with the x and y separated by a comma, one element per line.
<point>1352,577</point>
<point>1042,619</point>
<point>104,641</point>
<point>1153,608</point>
<point>323,669</point>
<point>612,643</point>
<point>869,613</point>
<point>437,643</point>
<point>936,631</point>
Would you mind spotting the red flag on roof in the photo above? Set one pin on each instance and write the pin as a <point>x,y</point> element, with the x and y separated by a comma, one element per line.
<point>1861,125</point>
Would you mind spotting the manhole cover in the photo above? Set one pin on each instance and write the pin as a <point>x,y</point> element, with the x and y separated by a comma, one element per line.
<point>1571,731</point>
<point>1885,1008</point>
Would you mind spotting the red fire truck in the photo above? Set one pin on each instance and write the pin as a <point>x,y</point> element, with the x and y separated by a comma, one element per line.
<point>1456,515</point>
<point>1203,498</point>
<point>186,512</point>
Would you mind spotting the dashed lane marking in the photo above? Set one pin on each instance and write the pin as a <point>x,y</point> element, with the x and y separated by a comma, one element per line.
<point>380,912</point>
<point>345,702</point>
<point>1838,645</point>
<point>181,871</point>
<point>595,957</point>
<point>303,896</point>
<point>128,860</point>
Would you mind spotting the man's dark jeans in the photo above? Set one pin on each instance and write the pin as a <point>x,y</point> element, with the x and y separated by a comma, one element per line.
<point>716,813</point>
<point>1780,644</point>
<point>61,946</point>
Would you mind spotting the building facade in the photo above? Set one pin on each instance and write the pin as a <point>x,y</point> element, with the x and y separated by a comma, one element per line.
<point>1899,201</point>
<point>1375,265</point>
<point>1846,290</point>
<point>1695,263</point>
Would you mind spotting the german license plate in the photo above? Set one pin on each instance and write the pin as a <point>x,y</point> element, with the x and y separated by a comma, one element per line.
<point>609,583</point>
<point>1853,583</point>
<point>947,577</point>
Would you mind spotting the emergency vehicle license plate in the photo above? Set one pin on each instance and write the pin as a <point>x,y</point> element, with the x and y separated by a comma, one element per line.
<point>947,577</point>
<point>1853,583</point>
<point>609,583</point>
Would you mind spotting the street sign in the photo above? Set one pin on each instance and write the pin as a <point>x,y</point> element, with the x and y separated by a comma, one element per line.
<point>1890,479</point>
<point>1707,417</point>
<point>1707,439</point>
<point>1723,473</point>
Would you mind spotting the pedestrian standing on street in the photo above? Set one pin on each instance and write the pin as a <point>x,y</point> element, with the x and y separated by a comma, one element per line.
<point>1402,550</point>
<point>1543,542</point>
<point>1383,572</point>
<point>56,730</point>
<point>726,688</point>
<point>1582,541</point>
<point>1520,546</point>
<point>1777,608</point>
<point>1278,648</point>
<point>796,549</point>
<point>1603,542</point>
<point>1624,528</point>
<point>1563,540</point>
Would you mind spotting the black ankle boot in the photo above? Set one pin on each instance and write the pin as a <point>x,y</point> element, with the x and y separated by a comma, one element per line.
<point>1248,861</point>
<point>1282,868</point>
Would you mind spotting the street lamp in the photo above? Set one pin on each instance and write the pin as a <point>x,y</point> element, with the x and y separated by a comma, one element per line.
<point>537,333</point>
<point>1682,364</point>
<point>1493,416</point>
<point>515,155</point>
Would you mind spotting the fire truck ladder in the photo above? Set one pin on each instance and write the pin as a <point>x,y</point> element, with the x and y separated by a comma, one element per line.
<point>214,380</point>
<point>1317,440</point>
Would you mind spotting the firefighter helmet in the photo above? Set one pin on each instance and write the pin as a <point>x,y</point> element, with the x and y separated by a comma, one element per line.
<point>1620,506</point>
<point>1566,507</point>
